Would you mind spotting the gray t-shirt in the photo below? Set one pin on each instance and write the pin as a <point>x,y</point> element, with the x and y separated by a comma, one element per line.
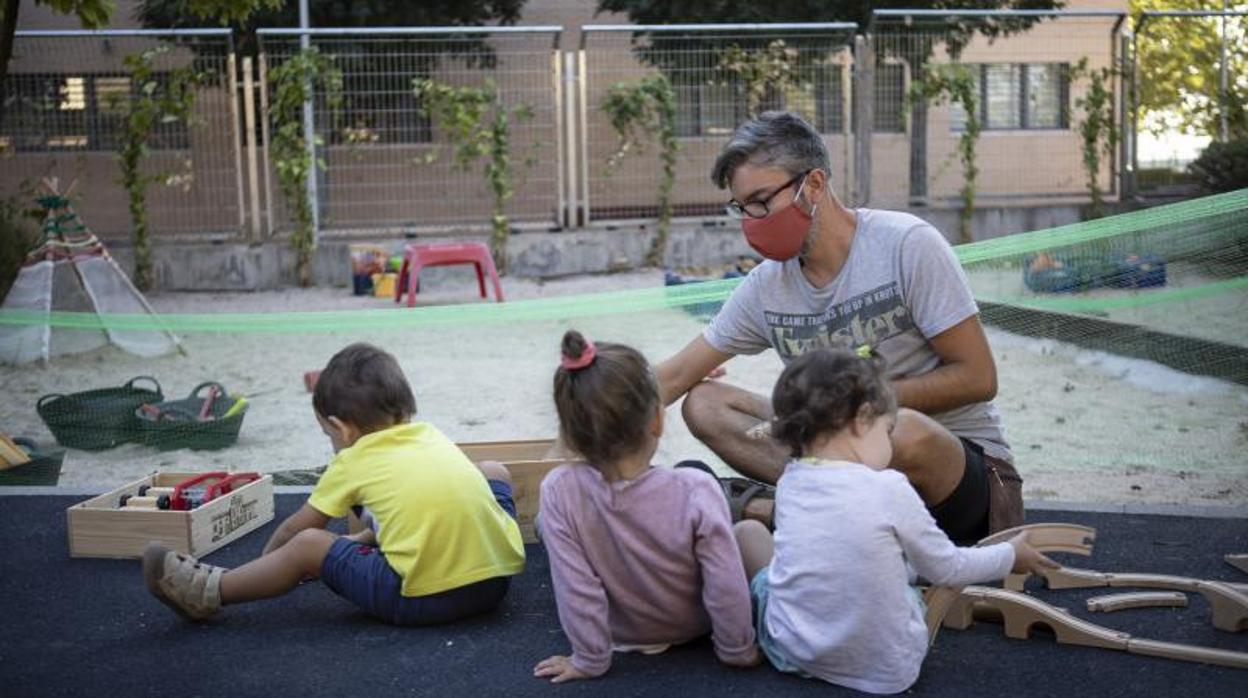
<point>900,286</point>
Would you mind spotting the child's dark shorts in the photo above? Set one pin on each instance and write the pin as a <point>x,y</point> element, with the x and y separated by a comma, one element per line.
<point>360,574</point>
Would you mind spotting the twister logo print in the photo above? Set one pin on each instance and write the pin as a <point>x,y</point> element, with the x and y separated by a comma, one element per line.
<point>868,318</point>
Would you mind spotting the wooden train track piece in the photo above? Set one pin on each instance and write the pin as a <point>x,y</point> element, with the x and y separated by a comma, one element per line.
<point>1137,599</point>
<point>1239,562</point>
<point>1229,606</point>
<point>1020,613</point>
<point>1045,537</point>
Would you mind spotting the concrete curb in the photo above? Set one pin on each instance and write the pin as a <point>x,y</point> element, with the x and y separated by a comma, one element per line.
<point>1132,508</point>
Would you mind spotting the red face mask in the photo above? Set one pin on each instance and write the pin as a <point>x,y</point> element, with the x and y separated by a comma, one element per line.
<point>779,235</point>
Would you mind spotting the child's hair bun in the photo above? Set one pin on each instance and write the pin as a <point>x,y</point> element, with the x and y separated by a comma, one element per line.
<point>574,344</point>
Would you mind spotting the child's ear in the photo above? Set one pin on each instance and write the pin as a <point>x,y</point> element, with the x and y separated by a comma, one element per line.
<point>656,424</point>
<point>346,431</point>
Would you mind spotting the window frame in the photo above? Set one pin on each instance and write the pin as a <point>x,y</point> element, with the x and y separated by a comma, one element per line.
<point>1024,98</point>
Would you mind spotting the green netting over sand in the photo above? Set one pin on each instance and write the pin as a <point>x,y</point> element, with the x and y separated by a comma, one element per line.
<point>1100,268</point>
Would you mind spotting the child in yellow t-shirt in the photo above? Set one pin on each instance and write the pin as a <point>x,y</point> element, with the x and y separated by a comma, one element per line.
<point>442,541</point>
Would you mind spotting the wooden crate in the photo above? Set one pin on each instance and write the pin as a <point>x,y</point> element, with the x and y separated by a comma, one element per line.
<point>527,461</point>
<point>98,527</point>
<point>528,465</point>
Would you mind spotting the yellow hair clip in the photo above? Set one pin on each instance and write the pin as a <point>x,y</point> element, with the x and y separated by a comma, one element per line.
<point>864,351</point>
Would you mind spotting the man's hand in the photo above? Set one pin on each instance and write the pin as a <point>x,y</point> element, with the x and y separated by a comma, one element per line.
<point>559,668</point>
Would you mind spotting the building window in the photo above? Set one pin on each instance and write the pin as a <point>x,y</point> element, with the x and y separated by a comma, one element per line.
<point>1015,96</point>
<point>709,109</point>
<point>377,108</point>
<point>830,98</point>
<point>75,112</point>
<point>890,98</point>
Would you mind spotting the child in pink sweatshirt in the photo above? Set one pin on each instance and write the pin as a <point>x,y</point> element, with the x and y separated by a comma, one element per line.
<point>641,557</point>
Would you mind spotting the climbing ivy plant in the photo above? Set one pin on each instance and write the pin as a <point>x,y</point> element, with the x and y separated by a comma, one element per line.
<point>292,83</point>
<point>155,100</point>
<point>637,110</point>
<point>761,72</point>
<point>955,83</point>
<point>1097,131</point>
<point>478,126</point>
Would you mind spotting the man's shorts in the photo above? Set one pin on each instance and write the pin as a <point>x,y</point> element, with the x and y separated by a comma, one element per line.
<point>963,516</point>
<point>361,574</point>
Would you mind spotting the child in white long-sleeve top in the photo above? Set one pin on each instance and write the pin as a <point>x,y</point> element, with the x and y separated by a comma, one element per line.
<point>641,557</point>
<point>834,598</point>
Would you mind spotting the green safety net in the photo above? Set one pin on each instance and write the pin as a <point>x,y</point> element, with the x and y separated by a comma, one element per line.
<point>1093,268</point>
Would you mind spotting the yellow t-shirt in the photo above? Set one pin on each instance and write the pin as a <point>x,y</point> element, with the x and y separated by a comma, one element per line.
<point>437,521</point>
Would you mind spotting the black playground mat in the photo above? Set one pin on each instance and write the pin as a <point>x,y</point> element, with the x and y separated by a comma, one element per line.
<point>89,627</point>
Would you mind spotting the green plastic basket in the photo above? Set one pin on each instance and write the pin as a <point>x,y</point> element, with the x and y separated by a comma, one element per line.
<point>43,468</point>
<point>175,424</point>
<point>94,420</point>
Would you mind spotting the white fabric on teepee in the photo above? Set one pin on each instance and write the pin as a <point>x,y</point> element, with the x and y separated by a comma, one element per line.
<point>80,277</point>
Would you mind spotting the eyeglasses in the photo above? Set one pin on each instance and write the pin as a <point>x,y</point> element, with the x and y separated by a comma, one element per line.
<point>759,209</point>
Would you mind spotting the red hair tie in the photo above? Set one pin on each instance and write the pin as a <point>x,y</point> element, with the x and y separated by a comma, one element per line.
<point>586,358</point>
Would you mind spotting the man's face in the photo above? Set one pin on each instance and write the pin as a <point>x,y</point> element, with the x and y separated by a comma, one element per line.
<point>753,185</point>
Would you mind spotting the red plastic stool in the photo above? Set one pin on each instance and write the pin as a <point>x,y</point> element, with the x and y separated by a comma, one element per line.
<point>416,257</point>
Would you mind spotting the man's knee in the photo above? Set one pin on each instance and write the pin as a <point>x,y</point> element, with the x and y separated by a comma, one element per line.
<point>919,441</point>
<point>700,410</point>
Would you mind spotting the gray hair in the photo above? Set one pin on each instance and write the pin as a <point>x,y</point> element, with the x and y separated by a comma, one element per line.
<point>773,139</point>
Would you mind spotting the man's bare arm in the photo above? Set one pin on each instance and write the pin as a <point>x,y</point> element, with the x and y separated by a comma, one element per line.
<point>967,372</point>
<point>688,366</point>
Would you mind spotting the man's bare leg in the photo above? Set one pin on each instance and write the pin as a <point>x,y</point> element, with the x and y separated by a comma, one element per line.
<point>930,457</point>
<point>719,415</point>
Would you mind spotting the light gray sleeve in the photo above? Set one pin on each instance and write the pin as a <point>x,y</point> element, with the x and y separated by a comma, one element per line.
<point>739,328</point>
<point>934,285</point>
<point>930,551</point>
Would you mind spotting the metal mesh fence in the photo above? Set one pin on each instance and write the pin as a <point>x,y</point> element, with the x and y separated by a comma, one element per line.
<point>64,115</point>
<point>388,165</point>
<point>1190,87</point>
<point>1030,78</point>
<point>720,76</point>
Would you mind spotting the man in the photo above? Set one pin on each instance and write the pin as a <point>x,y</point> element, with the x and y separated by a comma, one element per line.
<point>842,277</point>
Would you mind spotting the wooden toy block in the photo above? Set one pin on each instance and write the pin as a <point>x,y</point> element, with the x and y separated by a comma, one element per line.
<point>1137,599</point>
<point>1229,606</point>
<point>1239,562</point>
<point>11,454</point>
<point>1188,653</point>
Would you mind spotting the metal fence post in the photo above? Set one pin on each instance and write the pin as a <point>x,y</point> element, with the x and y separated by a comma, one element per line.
<point>253,175</point>
<point>864,116</point>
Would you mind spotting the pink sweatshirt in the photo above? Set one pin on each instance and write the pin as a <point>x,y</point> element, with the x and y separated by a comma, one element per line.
<point>645,561</point>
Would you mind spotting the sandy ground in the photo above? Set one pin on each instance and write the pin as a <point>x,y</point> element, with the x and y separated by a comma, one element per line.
<point>1085,426</point>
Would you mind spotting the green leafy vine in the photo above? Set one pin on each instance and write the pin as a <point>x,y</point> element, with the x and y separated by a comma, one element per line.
<point>636,110</point>
<point>293,81</point>
<point>478,126</point>
<point>155,101</point>
<point>762,72</point>
<point>1097,131</point>
<point>955,84</point>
